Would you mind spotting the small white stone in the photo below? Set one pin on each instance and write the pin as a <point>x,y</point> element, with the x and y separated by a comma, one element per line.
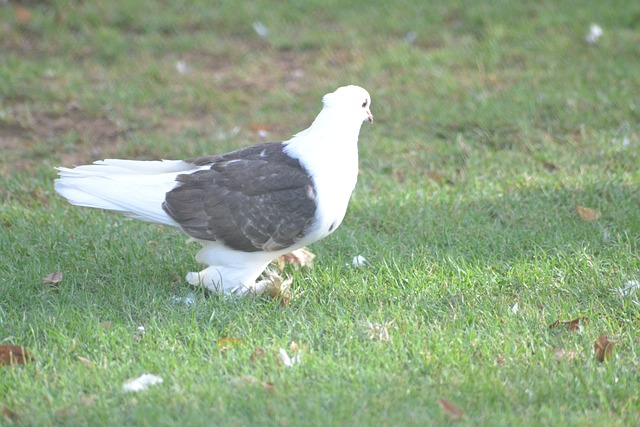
<point>595,32</point>
<point>142,382</point>
<point>260,29</point>
<point>515,308</point>
<point>182,67</point>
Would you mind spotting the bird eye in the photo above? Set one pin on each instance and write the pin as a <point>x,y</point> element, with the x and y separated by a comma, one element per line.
<point>364,104</point>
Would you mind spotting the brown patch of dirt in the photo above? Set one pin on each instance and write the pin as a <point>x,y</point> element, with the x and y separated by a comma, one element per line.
<point>284,67</point>
<point>72,136</point>
<point>91,129</point>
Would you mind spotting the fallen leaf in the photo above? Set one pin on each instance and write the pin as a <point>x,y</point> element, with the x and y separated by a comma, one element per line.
<point>450,409</point>
<point>106,324</point>
<point>438,178</point>
<point>227,343</point>
<point>284,299</point>
<point>23,15</point>
<point>561,354</point>
<point>52,279</point>
<point>88,399</point>
<point>14,354</point>
<point>572,325</point>
<point>142,382</point>
<point>260,127</point>
<point>588,214</point>
<point>302,257</point>
<point>276,285</point>
<point>86,362</point>
<point>10,415</point>
<point>251,380</point>
<point>603,348</point>
<point>258,354</point>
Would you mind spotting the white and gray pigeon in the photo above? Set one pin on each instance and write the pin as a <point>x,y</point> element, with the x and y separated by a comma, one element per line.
<point>247,207</point>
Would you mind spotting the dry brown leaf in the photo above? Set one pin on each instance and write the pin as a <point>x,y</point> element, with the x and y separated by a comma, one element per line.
<point>572,325</point>
<point>268,386</point>
<point>10,415</point>
<point>227,343</point>
<point>450,409</point>
<point>86,362</point>
<point>438,178</point>
<point>588,214</point>
<point>277,286</point>
<point>52,279</point>
<point>284,299</point>
<point>251,380</point>
<point>14,354</point>
<point>106,324</point>
<point>561,354</point>
<point>88,399</point>
<point>260,127</point>
<point>302,257</point>
<point>258,354</point>
<point>23,15</point>
<point>603,348</point>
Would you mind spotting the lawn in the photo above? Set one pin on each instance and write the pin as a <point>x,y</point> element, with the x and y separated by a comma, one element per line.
<point>498,209</point>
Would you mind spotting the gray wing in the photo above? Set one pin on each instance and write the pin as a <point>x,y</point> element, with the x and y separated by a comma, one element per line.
<point>256,199</point>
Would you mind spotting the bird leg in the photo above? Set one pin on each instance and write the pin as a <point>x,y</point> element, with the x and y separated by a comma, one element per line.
<point>209,278</point>
<point>270,282</point>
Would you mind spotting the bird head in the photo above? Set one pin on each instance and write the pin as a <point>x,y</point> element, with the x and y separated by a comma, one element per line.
<point>349,100</point>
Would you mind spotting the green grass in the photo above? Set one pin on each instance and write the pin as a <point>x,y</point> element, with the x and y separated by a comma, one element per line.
<point>494,122</point>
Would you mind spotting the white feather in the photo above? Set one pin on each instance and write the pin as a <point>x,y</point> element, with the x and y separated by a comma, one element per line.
<point>135,188</point>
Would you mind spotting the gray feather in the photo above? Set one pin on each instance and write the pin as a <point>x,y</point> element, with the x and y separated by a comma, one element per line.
<point>254,199</point>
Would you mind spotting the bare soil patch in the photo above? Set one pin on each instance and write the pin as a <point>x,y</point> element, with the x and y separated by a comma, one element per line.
<point>30,137</point>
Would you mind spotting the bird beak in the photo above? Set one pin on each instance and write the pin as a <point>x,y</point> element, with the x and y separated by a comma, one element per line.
<point>369,116</point>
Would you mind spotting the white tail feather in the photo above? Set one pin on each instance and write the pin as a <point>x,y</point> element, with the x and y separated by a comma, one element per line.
<point>135,188</point>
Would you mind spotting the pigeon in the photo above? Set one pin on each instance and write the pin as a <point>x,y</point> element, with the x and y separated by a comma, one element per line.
<point>247,207</point>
